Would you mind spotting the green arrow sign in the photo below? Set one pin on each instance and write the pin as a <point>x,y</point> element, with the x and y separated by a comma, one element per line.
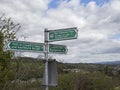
<point>26,46</point>
<point>60,49</point>
<point>62,34</point>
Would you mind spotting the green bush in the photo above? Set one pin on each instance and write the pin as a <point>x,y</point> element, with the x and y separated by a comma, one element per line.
<point>90,81</point>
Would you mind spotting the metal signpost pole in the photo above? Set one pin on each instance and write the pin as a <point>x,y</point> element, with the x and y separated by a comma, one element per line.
<point>46,58</point>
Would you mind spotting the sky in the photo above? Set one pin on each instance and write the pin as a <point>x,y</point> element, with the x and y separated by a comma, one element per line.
<point>97,21</point>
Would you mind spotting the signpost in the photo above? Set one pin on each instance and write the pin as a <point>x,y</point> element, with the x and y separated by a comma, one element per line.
<point>62,34</point>
<point>56,35</point>
<point>50,36</point>
<point>25,46</point>
<point>59,49</point>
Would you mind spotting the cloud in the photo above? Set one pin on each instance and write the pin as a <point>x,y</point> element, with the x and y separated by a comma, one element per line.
<point>98,25</point>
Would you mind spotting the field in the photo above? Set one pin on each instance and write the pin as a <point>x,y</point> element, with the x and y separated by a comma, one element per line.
<point>27,73</point>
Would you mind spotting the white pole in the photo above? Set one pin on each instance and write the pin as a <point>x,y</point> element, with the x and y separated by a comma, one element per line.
<point>46,58</point>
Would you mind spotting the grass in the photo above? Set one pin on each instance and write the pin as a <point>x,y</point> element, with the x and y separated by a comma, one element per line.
<point>117,88</point>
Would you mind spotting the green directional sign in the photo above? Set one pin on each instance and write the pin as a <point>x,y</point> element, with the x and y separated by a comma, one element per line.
<point>25,46</point>
<point>59,49</point>
<point>62,34</point>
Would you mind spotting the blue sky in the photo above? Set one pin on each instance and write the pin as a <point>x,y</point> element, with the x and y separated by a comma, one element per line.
<point>116,36</point>
<point>98,2</point>
<point>55,3</point>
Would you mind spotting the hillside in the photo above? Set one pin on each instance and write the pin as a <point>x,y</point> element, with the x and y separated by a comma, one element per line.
<point>27,73</point>
<point>110,62</point>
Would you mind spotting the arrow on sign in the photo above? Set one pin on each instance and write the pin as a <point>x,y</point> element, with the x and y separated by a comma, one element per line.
<point>59,49</point>
<point>25,46</point>
<point>62,34</point>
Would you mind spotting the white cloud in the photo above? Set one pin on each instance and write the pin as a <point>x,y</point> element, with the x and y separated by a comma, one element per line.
<point>96,25</point>
<point>115,5</point>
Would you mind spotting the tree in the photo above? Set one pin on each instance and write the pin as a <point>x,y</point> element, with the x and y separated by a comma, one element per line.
<point>8,30</point>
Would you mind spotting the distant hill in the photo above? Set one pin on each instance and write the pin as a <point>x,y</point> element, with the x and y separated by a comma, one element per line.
<point>26,59</point>
<point>109,62</point>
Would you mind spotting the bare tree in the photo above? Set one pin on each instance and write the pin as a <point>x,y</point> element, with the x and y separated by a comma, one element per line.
<point>8,28</point>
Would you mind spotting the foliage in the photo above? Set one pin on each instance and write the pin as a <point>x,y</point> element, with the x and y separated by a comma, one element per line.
<point>78,81</point>
<point>30,72</point>
<point>8,28</point>
<point>7,32</point>
<point>4,63</point>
